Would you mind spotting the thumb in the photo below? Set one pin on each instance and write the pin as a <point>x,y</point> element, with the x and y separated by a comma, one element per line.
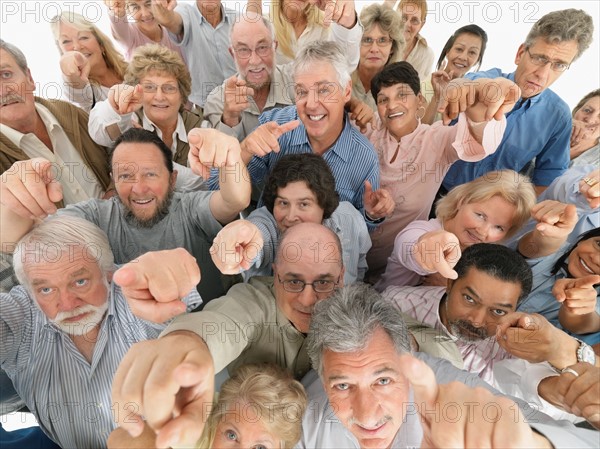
<point>368,187</point>
<point>128,277</point>
<point>328,13</point>
<point>231,82</point>
<point>138,93</point>
<point>422,380</point>
<point>587,281</point>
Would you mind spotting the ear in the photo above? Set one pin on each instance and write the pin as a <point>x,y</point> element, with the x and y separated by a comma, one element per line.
<point>449,285</point>
<point>109,276</point>
<point>342,276</point>
<point>231,52</point>
<point>520,52</point>
<point>348,92</point>
<point>421,100</point>
<point>276,45</point>
<point>173,177</point>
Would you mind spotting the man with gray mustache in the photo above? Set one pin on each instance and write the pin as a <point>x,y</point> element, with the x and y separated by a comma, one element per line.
<point>55,130</point>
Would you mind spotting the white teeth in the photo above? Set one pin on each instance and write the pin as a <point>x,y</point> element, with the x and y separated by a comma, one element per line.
<point>588,269</point>
<point>142,201</point>
<point>397,114</point>
<point>316,118</point>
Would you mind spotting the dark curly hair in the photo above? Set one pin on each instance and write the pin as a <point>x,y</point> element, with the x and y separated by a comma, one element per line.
<point>310,168</point>
<point>396,73</point>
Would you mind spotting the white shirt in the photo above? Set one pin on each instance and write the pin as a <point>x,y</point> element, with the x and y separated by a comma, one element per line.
<point>78,181</point>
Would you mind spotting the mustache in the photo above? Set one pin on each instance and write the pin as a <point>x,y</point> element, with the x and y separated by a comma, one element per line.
<point>466,329</point>
<point>379,423</point>
<point>11,98</point>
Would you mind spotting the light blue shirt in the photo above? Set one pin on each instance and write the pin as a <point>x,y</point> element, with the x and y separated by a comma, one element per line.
<point>537,127</point>
<point>70,397</point>
<point>206,49</point>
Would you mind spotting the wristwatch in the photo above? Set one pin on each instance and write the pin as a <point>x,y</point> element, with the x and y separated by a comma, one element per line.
<point>585,353</point>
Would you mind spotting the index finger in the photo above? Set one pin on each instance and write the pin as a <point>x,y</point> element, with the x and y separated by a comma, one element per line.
<point>422,379</point>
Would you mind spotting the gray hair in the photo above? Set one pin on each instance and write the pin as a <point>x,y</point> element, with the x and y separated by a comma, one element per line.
<point>251,16</point>
<point>345,322</point>
<point>563,26</point>
<point>317,52</point>
<point>17,54</point>
<point>60,234</point>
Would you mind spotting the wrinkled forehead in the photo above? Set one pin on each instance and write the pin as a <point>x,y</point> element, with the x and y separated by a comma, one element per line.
<point>315,72</point>
<point>55,257</point>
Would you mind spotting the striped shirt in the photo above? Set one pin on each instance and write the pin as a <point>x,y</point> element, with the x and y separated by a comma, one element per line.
<point>70,397</point>
<point>423,304</point>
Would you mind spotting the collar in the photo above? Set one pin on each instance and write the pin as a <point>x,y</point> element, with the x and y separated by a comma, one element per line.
<point>47,118</point>
<point>340,146</point>
<point>180,132</point>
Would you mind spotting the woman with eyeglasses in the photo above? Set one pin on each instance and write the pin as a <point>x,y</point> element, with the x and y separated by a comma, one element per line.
<point>144,29</point>
<point>463,50</point>
<point>416,51</point>
<point>381,44</point>
<point>156,89</point>
<point>89,61</point>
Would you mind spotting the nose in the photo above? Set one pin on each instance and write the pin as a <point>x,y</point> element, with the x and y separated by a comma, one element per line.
<point>365,408</point>
<point>292,215</point>
<point>139,186</point>
<point>543,71</point>
<point>312,99</point>
<point>483,230</point>
<point>67,301</point>
<point>307,297</point>
<point>477,317</point>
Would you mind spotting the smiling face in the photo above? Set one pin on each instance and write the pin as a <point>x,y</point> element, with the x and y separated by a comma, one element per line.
<point>374,56</point>
<point>483,222</point>
<point>584,260</point>
<point>143,183</point>
<point>256,69</point>
<point>476,302</point>
<point>141,12</point>
<point>589,113</point>
<point>72,39</point>
<point>397,106</point>
<point>367,390</point>
<point>296,203</point>
<point>71,291</point>
<point>17,103</point>
<point>533,79</point>
<point>242,428</point>
<point>463,54</point>
<point>162,108</point>
<point>320,102</point>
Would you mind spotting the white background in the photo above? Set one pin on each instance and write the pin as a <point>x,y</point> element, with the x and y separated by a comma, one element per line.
<point>27,24</point>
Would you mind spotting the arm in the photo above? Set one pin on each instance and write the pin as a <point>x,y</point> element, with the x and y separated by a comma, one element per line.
<point>165,14</point>
<point>119,25</point>
<point>254,6</point>
<point>555,222</point>
<point>211,148</point>
<point>28,192</point>
<point>106,124</point>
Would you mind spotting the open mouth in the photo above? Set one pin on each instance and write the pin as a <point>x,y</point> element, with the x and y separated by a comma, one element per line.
<point>395,115</point>
<point>142,202</point>
<point>585,266</point>
<point>161,106</point>
<point>316,118</point>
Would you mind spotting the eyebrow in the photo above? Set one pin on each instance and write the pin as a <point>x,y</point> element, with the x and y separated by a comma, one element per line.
<point>306,198</point>
<point>496,304</point>
<point>319,277</point>
<point>379,372</point>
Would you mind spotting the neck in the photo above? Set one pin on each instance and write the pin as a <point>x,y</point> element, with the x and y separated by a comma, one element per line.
<point>211,12</point>
<point>321,145</point>
<point>409,47</point>
<point>366,76</point>
<point>155,34</point>
<point>105,76</point>
<point>86,343</point>
<point>261,95</point>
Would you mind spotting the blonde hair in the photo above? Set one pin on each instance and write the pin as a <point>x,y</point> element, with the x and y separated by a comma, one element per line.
<point>157,58</point>
<point>113,58</point>
<point>390,22</point>
<point>421,4</point>
<point>278,400</point>
<point>284,29</point>
<point>508,184</point>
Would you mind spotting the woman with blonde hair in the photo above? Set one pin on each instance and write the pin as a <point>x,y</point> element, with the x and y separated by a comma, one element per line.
<point>299,22</point>
<point>486,210</point>
<point>585,137</point>
<point>382,43</point>
<point>89,61</point>
<point>259,406</point>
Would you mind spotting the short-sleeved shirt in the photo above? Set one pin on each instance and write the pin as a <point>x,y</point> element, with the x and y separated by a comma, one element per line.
<point>189,224</point>
<point>538,127</point>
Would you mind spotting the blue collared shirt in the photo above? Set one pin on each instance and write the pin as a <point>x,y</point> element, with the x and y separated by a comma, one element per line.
<point>537,127</point>
<point>70,397</point>
<point>352,158</point>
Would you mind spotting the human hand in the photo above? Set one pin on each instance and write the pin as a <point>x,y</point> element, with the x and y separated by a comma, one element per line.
<point>30,188</point>
<point>117,7</point>
<point>75,67</point>
<point>577,296</point>
<point>210,148</point>
<point>154,283</point>
<point>342,12</point>
<point>235,100</point>
<point>589,187</point>
<point>236,246</point>
<point>125,99</point>
<point>580,395</point>
<point>168,381</point>
<point>362,114</point>
<point>438,252</point>
<point>263,139</point>
<point>378,203</point>
<point>555,219</point>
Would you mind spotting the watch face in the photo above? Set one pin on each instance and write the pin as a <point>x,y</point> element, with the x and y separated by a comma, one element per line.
<point>586,354</point>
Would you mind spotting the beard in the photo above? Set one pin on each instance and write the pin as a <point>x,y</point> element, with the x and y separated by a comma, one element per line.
<point>162,210</point>
<point>257,86</point>
<point>95,315</point>
<point>11,98</point>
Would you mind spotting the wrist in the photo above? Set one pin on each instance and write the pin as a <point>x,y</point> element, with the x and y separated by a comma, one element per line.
<point>230,119</point>
<point>566,354</point>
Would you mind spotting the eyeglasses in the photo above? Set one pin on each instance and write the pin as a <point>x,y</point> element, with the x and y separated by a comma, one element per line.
<point>319,286</point>
<point>542,61</point>
<point>261,50</point>
<point>167,89</point>
<point>414,21</point>
<point>381,41</point>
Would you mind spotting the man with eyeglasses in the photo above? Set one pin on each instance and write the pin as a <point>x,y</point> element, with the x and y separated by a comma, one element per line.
<point>539,126</point>
<point>259,84</point>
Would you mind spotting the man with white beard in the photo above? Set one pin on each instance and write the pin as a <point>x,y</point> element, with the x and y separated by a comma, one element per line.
<point>67,326</point>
